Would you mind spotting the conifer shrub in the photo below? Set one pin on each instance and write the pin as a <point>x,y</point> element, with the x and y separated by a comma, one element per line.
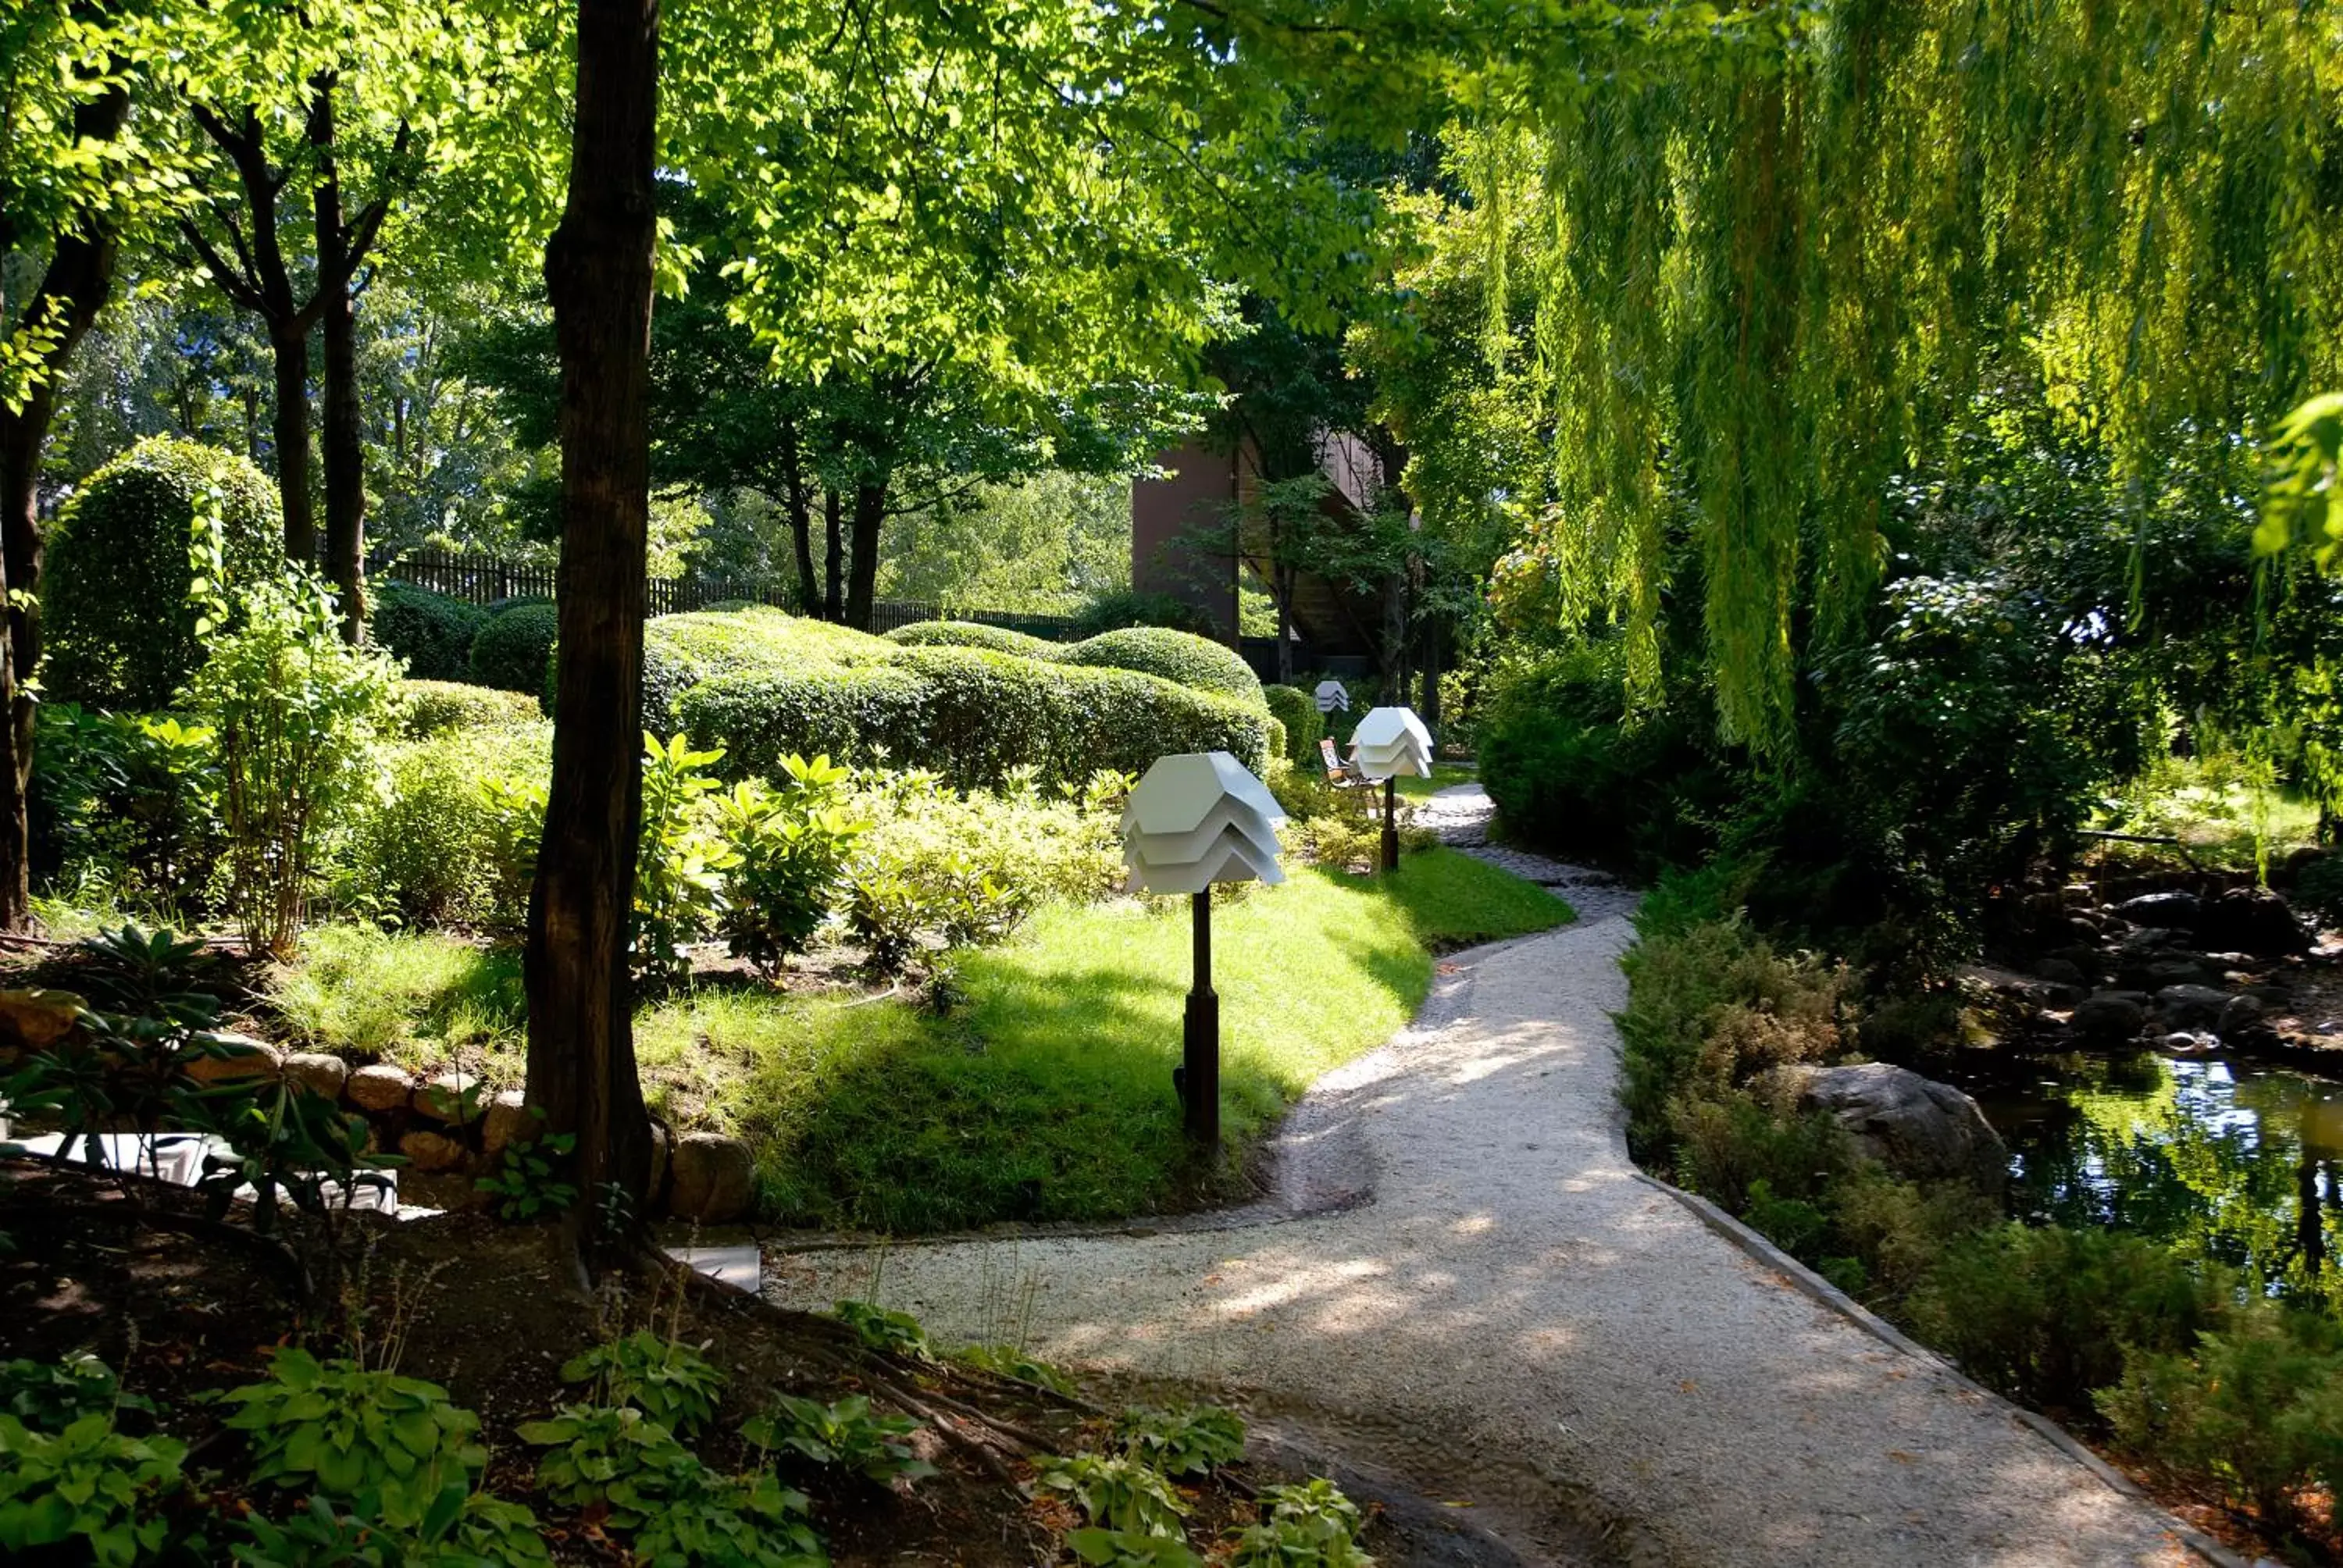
<point>1179,657</point>
<point>513,649</point>
<point>431,631</point>
<point>116,598</point>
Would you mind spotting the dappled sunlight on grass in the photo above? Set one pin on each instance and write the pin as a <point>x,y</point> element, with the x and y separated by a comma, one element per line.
<point>416,1000</point>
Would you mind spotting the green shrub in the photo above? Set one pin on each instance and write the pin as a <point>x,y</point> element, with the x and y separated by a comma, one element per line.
<point>1184,660</point>
<point>295,711</point>
<point>336,1427</point>
<point>116,606</point>
<point>50,1396</point>
<point>673,1506</point>
<point>430,706</point>
<point>845,1435</point>
<point>681,861</point>
<point>1190,1441</point>
<point>973,717</point>
<point>937,840</point>
<point>462,1531</point>
<point>1760,1161</point>
<point>680,651</point>
<point>1115,1493</point>
<point>512,651</point>
<point>2256,1412</point>
<point>1298,711</point>
<point>789,852</point>
<point>126,807</point>
<point>1308,1524</point>
<point>431,851</point>
<point>888,1332</point>
<point>432,632</point>
<point>973,634</point>
<point>87,1484</point>
<point>668,1382</point>
<point>2046,1314</point>
<point>1120,607</point>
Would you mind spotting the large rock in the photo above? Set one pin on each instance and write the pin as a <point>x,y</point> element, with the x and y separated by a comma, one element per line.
<point>2167,909</point>
<point>32,1018</point>
<point>715,1178</point>
<point>2110,1018</point>
<point>2191,1006</point>
<point>429,1152</point>
<point>240,1056</point>
<point>449,1097</point>
<point>2059,971</point>
<point>507,1121</point>
<point>318,1072</point>
<point>2251,921</point>
<point>380,1087</point>
<point>1913,1125</point>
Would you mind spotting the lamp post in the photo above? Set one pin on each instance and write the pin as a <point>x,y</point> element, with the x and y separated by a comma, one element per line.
<point>1195,820</point>
<point>1390,743</point>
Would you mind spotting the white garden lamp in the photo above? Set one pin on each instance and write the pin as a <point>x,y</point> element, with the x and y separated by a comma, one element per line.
<point>1392,743</point>
<point>1332,697</point>
<point>1197,819</point>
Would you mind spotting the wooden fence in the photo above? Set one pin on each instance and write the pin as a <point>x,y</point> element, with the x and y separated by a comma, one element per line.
<point>480,578</point>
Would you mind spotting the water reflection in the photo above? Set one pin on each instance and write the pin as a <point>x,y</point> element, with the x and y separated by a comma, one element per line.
<point>2228,1161</point>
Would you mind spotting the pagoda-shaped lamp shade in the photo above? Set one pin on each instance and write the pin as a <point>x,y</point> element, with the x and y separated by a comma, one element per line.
<point>1198,818</point>
<point>1332,697</point>
<point>1392,743</point>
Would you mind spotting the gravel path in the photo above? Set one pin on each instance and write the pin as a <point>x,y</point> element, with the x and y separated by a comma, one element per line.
<point>1516,1323</point>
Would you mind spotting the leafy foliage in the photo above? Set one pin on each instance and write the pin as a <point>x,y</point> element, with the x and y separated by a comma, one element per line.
<point>1190,1441</point>
<point>528,1183</point>
<point>87,1484</point>
<point>973,634</point>
<point>671,1382</point>
<point>428,708</point>
<point>789,851</point>
<point>1178,657</point>
<point>431,632</point>
<point>50,1396</point>
<point>845,1435</point>
<point>681,863</point>
<point>1120,1493</point>
<point>463,1529</point>
<point>1010,1361</point>
<point>125,808</point>
<point>1298,711</point>
<point>1131,1548</point>
<point>122,624</point>
<point>295,711</point>
<point>1120,607</point>
<point>1308,1524</point>
<point>888,1333</point>
<point>351,1434</point>
<point>674,1506</point>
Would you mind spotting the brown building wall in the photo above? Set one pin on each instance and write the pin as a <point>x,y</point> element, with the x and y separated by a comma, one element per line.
<point>1181,532</point>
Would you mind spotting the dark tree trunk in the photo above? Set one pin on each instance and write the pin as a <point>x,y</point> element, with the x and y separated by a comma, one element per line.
<point>73,288</point>
<point>598,270</point>
<point>862,554</point>
<point>1284,579</point>
<point>289,346</point>
<point>801,504</point>
<point>345,432</point>
<point>833,563</point>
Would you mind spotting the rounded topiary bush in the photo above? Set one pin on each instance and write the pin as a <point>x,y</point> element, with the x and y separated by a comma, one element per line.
<point>120,627</point>
<point>430,707</point>
<point>1177,656</point>
<point>1298,711</point>
<point>510,652</point>
<point>973,634</point>
<point>432,632</point>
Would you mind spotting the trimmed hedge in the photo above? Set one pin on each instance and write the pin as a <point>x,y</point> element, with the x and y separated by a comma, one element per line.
<point>1298,710</point>
<point>121,629</point>
<point>973,634</point>
<point>680,651</point>
<point>1118,608</point>
<point>1177,656</point>
<point>430,707</point>
<point>432,632</point>
<point>970,714</point>
<point>510,652</point>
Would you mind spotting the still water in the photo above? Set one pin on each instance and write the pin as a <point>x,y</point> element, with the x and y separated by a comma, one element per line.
<point>2228,1160</point>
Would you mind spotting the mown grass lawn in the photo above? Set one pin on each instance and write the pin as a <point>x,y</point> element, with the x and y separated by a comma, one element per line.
<point>1047,1093</point>
<point>1043,1092</point>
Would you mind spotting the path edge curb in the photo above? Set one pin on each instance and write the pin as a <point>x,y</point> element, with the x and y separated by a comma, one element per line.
<point>1829,1295</point>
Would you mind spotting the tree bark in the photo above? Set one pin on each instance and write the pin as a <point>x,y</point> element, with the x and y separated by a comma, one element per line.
<point>801,506</point>
<point>862,554</point>
<point>72,289</point>
<point>597,269</point>
<point>345,429</point>
<point>833,565</point>
<point>289,346</point>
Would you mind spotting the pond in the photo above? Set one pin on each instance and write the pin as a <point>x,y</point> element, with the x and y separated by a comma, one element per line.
<point>2224,1159</point>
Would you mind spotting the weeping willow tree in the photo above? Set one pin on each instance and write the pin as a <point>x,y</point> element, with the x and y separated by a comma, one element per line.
<point>1755,269</point>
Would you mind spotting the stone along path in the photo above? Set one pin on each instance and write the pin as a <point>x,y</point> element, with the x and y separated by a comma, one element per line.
<point>1516,1321</point>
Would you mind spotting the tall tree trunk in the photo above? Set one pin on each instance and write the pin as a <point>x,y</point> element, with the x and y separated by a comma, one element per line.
<point>72,290</point>
<point>833,564</point>
<point>597,271</point>
<point>801,504</point>
<point>288,345</point>
<point>1284,579</point>
<point>862,554</point>
<point>345,434</point>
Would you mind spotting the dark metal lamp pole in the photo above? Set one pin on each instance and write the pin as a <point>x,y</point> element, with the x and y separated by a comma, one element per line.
<point>1391,824</point>
<point>1200,1073</point>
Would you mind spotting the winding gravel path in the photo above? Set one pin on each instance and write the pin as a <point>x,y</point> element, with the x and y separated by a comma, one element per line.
<point>1516,1321</point>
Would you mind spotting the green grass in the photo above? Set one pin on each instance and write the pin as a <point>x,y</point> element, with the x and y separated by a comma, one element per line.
<point>1444,774</point>
<point>1047,1094</point>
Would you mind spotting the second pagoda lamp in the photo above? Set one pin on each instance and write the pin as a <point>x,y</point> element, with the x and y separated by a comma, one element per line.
<point>1198,818</point>
<point>1392,743</point>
